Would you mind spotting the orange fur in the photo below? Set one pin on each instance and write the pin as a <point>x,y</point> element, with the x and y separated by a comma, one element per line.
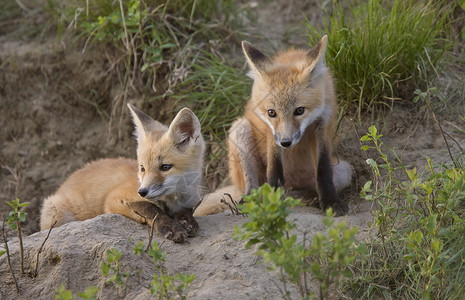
<point>111,185</point>
<point>288,121</point>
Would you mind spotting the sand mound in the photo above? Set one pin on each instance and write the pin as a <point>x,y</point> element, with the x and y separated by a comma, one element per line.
<point>223,268</point>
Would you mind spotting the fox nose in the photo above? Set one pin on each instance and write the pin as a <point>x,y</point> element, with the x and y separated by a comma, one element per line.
<point>143,192</point>
<point>286,143</point>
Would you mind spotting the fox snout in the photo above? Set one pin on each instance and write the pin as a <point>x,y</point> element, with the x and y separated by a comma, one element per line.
<point>152,191</point>
<point>287,141</point>
<point>143,192</point>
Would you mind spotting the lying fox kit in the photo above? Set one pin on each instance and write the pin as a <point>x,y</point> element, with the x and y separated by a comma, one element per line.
<point>285,137</point>
<point>163,185</point>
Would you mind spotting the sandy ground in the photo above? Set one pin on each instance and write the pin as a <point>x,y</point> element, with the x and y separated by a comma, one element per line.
<point>223,268</point>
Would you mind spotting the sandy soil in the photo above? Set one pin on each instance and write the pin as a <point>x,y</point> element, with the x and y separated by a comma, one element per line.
<point>50,127</point>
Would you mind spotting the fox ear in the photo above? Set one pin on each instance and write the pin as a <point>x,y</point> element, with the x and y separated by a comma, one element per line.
<point>185,126</point>
<point>315,65</point>
<point>143,123</point>
<point>256,59</point>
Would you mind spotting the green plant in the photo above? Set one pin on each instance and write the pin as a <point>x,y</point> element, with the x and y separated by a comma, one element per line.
<point>382,187</point>
<point>64,294</point>
<point>90,293</point>
<point>325,260</point>
<point>418,252</point>
<point>381,51</point>
<point>165,285</point>
<point>111,269</point>
<point>16,216</point>
<point>14,220</point>
<point>153,39</point>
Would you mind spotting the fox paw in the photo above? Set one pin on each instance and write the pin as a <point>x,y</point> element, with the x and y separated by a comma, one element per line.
<point>187,221</point>
<point>191,227</point>
<point>173,231</point>
<point>340,208</point>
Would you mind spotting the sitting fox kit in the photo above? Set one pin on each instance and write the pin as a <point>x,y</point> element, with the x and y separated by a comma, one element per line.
<point>163,185</point>
<point>286,135</point>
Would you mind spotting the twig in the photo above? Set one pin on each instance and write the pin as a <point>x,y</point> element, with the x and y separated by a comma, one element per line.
<point>21,251</point>
<point>34,273</point>
<point>233,206</point>
<point>455,141</point>
<point>8,254</point>
<point>126,43</point>
<point>151,234</point>
<point>444,137</point>
<point>358,136</point>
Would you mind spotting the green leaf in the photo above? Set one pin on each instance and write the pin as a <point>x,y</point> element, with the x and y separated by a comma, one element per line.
<point>412,174</point>
<point>436,245</point>
<point>63,294</point>
<point>12,225</point>
<point>90,293</point>
<point>416,236</point>
<point>22,216</point>
<point>365,147</point>
<point>431,223</point>
<point>365,138</point>
<point>373,165</point>
<point>105,268</point>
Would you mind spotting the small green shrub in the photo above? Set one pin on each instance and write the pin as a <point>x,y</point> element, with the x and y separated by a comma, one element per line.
<point>164,285</point>
<point>325,260</point>
<point>14,220</point>
<point>380,51</point>
<point>64,294</point>
<point>418,252</point>
<point>16,216</point>
<point>111,269</point>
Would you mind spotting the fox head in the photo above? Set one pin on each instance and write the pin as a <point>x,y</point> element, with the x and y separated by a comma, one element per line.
<point>170,158</point>
<point>290,91</point>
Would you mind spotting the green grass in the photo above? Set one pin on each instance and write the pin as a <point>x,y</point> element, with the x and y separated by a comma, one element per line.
<point>147,42</point>
<point>381,51</point>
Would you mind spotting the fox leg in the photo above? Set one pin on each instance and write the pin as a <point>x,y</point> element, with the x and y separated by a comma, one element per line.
<point>242,162</point>
<point>186,219</point>
<point>126,202</point>
<point>274,169</point>
<point>162,223</point>
<point>327,194</point>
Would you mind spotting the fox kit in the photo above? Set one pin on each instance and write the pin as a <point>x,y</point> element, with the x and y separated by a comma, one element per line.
<point>163,185</point>
<point>285,136</point>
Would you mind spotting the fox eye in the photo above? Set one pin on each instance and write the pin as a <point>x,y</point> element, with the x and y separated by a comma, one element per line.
<point>298,111</point>
<point>165,167</point>
<point>271,113</point>
<point>142,169</point>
